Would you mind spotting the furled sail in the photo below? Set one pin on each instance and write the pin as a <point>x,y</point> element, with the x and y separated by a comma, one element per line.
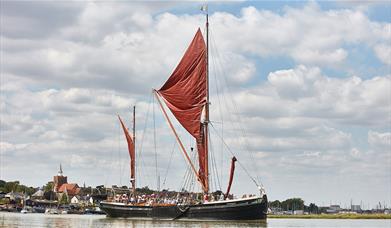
<point>185,95</point>
<point>130,149</point>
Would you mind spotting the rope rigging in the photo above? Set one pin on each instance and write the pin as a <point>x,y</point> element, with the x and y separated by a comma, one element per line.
<point>241,165</point>
<point>189,178</point>
<point>119,156</point>
<point>111,157</point>
<point>169,164</point>
<point>239,122</point>
<point>154,145</point>
<point>139,153</point>
<point>217,184</point>
<point>221,113</point>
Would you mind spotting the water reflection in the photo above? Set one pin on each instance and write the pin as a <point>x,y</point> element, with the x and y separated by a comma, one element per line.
<point>42,220</point>
<point>118,222</point>
<point>65,221</point>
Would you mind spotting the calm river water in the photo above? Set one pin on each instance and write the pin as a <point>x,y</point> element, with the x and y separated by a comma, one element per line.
<point>42,220</point>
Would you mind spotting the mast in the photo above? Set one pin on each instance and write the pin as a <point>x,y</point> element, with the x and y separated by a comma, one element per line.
<point>206,123</point>
<point>133,180</point>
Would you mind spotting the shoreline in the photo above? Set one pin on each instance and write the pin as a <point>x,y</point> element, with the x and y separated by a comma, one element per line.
<point>332,216</point>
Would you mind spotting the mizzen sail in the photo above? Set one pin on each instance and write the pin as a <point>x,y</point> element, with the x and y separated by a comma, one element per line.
<point>131,150</point>
<point>185,94</point>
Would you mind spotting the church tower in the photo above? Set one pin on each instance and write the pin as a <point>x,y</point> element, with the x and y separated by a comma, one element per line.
<point>59,180</point>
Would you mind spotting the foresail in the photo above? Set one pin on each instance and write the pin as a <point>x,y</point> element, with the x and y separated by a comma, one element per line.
<point>131,150</point>
<point>185,93</point>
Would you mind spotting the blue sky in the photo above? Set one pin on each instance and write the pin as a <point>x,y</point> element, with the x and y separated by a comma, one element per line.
<point>309,82</point>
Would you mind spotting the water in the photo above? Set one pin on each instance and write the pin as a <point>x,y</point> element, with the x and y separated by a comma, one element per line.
<point>42,220</point>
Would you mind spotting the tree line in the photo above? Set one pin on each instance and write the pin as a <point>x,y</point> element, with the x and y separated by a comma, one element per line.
<point>15,186</point>
<point>294,204</point>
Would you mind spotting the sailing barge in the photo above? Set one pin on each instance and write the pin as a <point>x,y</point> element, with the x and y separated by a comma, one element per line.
<point>186,94</point>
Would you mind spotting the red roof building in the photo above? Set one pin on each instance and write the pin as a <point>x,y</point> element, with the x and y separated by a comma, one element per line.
<point>61,185</point>
<point>70,189</point>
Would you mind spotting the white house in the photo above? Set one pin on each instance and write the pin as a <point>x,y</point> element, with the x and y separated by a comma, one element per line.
<point>75,200</point>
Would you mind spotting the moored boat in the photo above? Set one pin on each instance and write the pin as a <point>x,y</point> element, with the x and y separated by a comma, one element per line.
<point>252,208</point>
<point>186,95</point>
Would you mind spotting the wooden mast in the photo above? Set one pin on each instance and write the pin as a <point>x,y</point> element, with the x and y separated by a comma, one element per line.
<point>206,123</point>
<point>133,180</point>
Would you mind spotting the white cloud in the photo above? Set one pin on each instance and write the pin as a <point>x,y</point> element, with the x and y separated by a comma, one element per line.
<point>316,139</point>
<point>320,58</point>
<point>308,35</point>
<point>9,147</point>
<point>107,40</point>
<point>295,83</point>
<point>305,92</point>
<point>380,140</point>
<point>383,52</point>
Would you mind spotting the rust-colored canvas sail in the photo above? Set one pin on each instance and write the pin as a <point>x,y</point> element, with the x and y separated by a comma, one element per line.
<point>185,95</point>
<point>130,149</point>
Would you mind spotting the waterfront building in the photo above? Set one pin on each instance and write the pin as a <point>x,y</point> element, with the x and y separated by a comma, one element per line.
<point>61,185</point>
<point>38,194</point>
<point>14,196</point>
<point>2,194</point>
<point>82,200</point>
<point>70,189</point>
<point>356,208</point>
<point>298,212</point>
<point>75,200</point>
<point>334,209</point>
<point>59,180</point>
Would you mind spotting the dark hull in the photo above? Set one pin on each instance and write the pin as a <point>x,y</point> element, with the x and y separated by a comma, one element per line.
<point>246,209</point>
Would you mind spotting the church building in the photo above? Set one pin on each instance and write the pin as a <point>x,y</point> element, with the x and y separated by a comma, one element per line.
<point>61,185</point>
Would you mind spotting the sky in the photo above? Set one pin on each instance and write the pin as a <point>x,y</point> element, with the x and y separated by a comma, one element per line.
<point>300,94</point>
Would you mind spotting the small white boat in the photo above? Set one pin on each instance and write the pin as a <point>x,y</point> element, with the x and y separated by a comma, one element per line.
<point>52,211</point>
<point>26,210</point>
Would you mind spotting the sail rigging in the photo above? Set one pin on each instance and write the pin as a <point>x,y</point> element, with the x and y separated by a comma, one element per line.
<point>185,94</point>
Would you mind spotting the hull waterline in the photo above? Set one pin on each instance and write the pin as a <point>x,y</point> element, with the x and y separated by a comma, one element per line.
<point>245,209</point>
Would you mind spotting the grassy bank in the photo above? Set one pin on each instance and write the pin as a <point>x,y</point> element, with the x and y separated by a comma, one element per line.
<point>333,216</point>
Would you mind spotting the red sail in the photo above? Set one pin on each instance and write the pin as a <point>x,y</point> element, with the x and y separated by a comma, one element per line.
<point>231,176</point>
<point>185,95</point>
<point>130,149</point>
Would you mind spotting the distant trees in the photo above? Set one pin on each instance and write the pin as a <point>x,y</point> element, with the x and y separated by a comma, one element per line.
<point>49,186</point>
<point>10,186</point>
<point>2,183</point>
<point>313,209</point>
<point>86,191</point>
<point>100,189</point>
<point>64,199</point>
<point>275,204</point>
<point>294,204</point>
<point>15,186</point>
<point>145,190</point>
<point>49,195</point>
